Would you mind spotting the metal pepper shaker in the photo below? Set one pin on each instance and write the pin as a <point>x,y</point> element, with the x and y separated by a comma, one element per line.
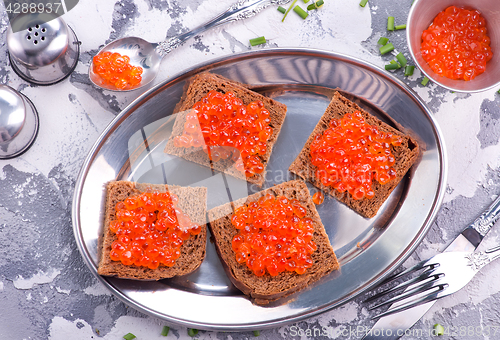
<point>44,53</point>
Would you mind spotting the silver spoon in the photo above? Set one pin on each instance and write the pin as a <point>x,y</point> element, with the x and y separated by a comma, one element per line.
<point>149,55</point>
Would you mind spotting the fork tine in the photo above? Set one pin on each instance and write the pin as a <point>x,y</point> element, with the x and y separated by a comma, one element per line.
<point>417,267</point>
<point>426,284</point>
<point>403,285</point>
<point>413,303</point>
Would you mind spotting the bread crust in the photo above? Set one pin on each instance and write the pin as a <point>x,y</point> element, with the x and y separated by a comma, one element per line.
<point>267,288</point>
<point>199,86</point>
<point>406,155</point>
<point>192,201</point>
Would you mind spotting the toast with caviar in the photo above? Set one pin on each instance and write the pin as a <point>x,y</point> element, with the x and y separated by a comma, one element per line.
<point>258,283</point>
<point>190,200</point>
<point>405,153</point>
<point>197,88</point>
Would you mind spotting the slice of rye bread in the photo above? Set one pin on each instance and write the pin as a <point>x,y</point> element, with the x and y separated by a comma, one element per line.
<point>199,86</point>
<point>192,201</point>
<point>267,288</point>
<point>406,154</point>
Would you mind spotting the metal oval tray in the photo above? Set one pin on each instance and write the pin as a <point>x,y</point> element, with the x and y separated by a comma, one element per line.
<point>131,148</point>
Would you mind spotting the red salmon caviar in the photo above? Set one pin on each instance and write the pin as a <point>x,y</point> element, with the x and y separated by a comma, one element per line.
<point>226,128</point>
<point>116,70</point>
<point>274,235</point>
<point>151,230</point>
<point>456,44</point>
<point>351,153</point>
<point>318,197</point>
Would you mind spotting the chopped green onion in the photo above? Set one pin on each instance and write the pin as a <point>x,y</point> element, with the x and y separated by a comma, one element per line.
<point>363,3</point>
<point>390,23</point>
<point>425,81</point>
<point>392,66</point>
<point>498,91</point>
<point>165,330</point>
<point>288,10</point>
<point>382,41</point>
<point>401,59</point>
<point>192,332</point>
<point>400,27</point>
<point>409,70</point>
<point>282,9</point>
<point>257,41</point>
<point>256,333</point>
<point>386,48</point>
<point>306,1</point>
<point>315,5</point>
<point>438,329</point>
<point>303,14</point>
<point>129,336</point>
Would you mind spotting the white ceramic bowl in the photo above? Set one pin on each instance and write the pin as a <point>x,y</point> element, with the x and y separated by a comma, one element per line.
<point>421,15</point>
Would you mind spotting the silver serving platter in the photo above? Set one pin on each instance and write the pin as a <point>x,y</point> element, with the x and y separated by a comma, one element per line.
<point>131,148</point>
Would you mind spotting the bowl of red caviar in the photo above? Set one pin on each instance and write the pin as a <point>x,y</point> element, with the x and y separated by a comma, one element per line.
<point>456,43</point>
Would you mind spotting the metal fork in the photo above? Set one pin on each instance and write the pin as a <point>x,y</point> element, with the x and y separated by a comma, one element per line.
<point>441,275</point>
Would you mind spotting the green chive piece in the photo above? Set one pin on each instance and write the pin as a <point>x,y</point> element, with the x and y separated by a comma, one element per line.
<point>306,1</point>
<point>400,27</point>
<point>282,9</point>
<point>257,41</point>
<point>303,14</point>
<point>288,10</point>
<point>498,91</point>
<point>409,70</point>
<point>256,333</point>
<point>363,3</point>
<point>438,329</point>
<point>382,41</point>
<point>165,330</point>
<point>386,48</point>
<point>192,332</point>
<point>390,23</point>
<point>129,336</point>
<point>315,5</point>
<point>425,81</point>
<point>392,66</point>
<point>401,59</point>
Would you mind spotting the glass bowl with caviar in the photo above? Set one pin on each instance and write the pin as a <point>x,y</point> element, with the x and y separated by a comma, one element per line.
<point>456,43</point>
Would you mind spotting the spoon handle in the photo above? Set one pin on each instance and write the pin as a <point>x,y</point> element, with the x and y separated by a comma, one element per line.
<point>243,9</point>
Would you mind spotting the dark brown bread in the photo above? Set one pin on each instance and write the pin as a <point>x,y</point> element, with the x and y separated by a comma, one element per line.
<point>406,154</point>
<point>267,288</point>
<point>197,88</point>
<point>192,201</point>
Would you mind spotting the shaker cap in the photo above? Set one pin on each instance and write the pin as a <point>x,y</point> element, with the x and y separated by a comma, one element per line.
<point>42,43</point>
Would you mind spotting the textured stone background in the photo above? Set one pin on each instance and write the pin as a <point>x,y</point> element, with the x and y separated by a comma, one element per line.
<point>47,292</point>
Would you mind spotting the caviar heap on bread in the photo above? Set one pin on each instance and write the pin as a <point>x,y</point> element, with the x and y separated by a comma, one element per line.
<point>351,154</point>
<point>272,243</point>
<point>456,45</point>
<point>222,124</point>
<point>274,235</point>
<point>115,69</point>
<point>225,128</point>
<point>152,231</point>
<point>355,157</point>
